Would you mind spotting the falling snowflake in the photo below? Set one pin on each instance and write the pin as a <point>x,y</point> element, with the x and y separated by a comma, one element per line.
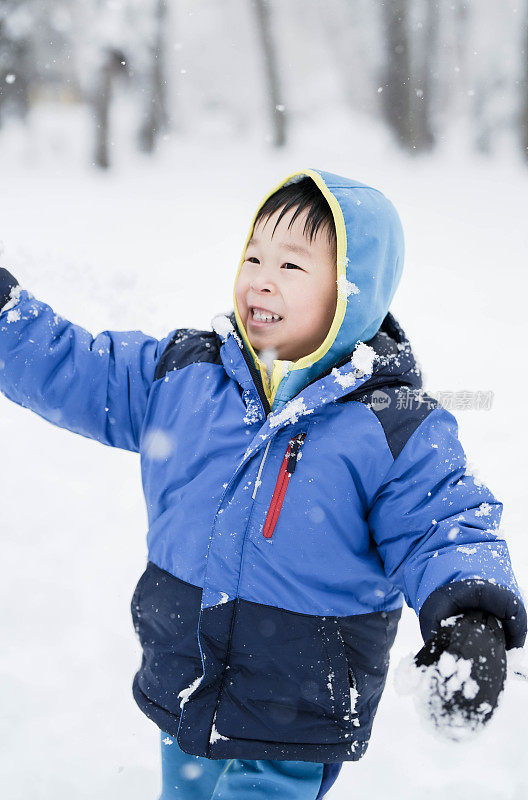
<point>156,444</point>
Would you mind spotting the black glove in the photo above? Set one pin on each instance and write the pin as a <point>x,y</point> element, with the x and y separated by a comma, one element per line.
<point>465,663</point>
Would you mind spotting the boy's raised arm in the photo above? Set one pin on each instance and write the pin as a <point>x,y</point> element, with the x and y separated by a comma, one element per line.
<point>97,387</point>
<point>437,531</point>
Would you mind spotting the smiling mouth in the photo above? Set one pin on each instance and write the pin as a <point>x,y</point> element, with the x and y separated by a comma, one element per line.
<point>261,316</point>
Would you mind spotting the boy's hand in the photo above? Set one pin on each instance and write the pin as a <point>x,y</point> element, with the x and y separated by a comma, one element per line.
<point>465,668</point>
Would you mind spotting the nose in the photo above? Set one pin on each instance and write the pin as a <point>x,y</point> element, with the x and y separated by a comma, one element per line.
<point>262,282</point>
<point>259,287</point>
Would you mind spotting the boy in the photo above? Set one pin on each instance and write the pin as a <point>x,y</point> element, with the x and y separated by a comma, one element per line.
<point>299,486</point>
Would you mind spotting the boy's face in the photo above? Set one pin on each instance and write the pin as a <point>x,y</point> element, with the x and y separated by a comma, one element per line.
<point>288,276</point>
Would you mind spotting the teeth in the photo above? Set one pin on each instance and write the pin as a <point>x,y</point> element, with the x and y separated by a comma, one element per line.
<point>264,316</point>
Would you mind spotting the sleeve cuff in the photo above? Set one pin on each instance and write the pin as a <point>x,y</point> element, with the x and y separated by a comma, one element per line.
<point>7,282</point>
<point>459,596</point>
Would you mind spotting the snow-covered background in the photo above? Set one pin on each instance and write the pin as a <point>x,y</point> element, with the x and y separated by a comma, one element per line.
<point>153,244</point>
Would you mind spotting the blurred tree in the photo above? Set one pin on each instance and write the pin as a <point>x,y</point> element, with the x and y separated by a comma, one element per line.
<point>395,95</point>
<point>432,69</point>
<point>407,90</point>
<point>273,87</point>
<point>113,63</point>
<point>155,115</point>
<point>524,90</point>
<point>16,57</point>
<point>452,83</point>
<point>117,40</point>
<point>422,81</point>
<point>490,69</point>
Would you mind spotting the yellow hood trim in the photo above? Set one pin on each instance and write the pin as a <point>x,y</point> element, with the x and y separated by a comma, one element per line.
<point>271,386</point>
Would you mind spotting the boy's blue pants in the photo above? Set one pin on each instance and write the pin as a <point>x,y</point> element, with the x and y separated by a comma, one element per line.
<point>186,777</point>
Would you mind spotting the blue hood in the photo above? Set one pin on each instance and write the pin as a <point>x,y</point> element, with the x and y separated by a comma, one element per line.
<point>370,252</point>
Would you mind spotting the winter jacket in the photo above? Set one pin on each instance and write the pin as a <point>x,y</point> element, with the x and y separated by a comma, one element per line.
<point>282,542</point>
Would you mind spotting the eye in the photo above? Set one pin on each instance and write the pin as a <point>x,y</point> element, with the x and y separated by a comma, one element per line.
<point>253,260</point>
<point>289,265</point>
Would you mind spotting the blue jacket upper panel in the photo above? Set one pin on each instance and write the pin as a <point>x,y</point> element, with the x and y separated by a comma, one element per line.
<point>379,504</point>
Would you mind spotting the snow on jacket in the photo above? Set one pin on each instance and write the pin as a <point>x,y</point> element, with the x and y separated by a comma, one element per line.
<point>281,543</point>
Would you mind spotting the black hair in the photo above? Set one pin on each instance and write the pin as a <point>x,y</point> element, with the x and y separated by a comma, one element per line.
<point>301,194</point>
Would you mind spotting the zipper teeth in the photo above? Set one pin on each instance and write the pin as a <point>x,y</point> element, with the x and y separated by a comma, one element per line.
<point>257,481</point>
<point>278,497</point>
<point>257,378</point>
<point>279,502</point>
<point>285,477</point>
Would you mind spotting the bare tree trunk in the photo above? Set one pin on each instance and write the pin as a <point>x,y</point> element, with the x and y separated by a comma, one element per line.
<point>102,119</point>
<point>16,75</point>
<point>395,94</point>
<point>422,86</point>
<point>155,119</point>
<point>273,89</point>
<point>524,84</point>
<point>409,81</point>
<point>113,64</point>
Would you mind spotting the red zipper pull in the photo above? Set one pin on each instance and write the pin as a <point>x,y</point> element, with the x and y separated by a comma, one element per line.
<point>287,469</point>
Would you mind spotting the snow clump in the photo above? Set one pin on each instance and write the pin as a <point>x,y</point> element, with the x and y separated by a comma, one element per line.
<point>346,380</point>
<point>363,362</point>
<point>363,357</point>
<point>215,735</point>
<point>252,414</point>
<point>14,297</point>
<point>222,325</point>
<point>433,689</point>
<point>483,510</point>
<point>290,412</point>
<point>13,315</point>
<point>187,692</point>
<point>468,551</point>
<point>346,287</point>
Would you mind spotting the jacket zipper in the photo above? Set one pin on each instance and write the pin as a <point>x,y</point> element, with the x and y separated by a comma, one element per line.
<point>257,378</point>
<point>289,462</point>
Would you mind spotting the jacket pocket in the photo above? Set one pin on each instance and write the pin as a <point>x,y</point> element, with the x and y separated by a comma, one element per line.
<point>289,463</point>
<point>281,685</point>
<point>165,611</point>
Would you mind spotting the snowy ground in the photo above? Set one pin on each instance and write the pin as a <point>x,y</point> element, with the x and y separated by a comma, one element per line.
<point>154,245</point>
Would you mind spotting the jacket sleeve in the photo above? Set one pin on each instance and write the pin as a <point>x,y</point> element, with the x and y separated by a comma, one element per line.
<point>97,387</point>
<point>437,531</point>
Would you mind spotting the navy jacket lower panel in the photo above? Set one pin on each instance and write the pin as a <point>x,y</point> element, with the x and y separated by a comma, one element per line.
<point>274,683</point>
